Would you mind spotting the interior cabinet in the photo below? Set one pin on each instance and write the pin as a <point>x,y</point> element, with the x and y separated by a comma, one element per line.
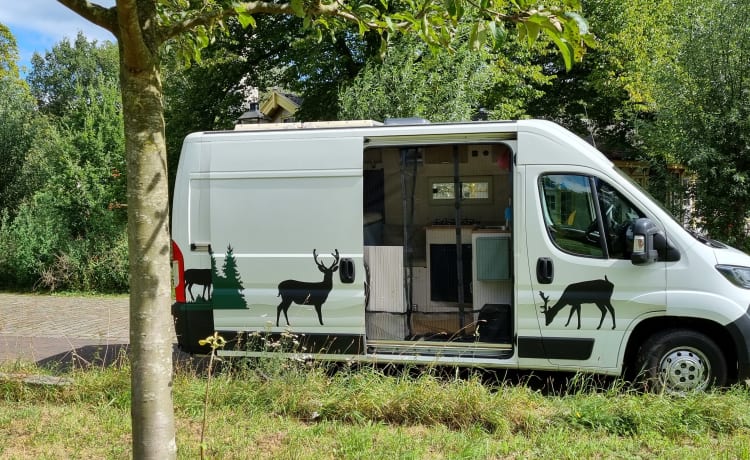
<point>492,257</point>
<point>491,280</point>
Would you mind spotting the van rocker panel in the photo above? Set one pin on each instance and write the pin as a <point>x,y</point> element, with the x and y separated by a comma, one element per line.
<point>578,349</point>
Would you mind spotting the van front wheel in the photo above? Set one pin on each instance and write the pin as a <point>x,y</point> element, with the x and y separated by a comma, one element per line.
<point>680,361</point>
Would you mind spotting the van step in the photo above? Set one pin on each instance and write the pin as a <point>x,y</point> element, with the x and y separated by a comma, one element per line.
<point>447,349</point>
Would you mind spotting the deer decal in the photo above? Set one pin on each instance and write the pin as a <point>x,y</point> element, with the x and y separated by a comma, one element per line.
<point>598,292</point>
<point>304,293</point>
<point>201,276</point>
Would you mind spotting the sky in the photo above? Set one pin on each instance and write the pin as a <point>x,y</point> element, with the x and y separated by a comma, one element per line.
<point>38,25</point>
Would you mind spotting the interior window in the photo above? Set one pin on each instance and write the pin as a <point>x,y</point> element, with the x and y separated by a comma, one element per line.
<point>570,210</point>
<point>472,189</point>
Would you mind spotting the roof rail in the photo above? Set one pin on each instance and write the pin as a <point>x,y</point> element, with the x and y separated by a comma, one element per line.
<point>406,121</point>
<point>307,125</point>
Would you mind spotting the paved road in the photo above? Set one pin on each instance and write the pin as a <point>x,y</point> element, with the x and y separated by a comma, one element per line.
<point>49,329</point>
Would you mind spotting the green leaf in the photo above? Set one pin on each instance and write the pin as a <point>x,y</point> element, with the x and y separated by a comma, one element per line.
<point>583,26</point>
<point>369,10</point>
<point>426,29</point>
<point>478,35</point>
<point>455,9</point>
<point>298,7</point>
<point>590,40</point>
<point>405,16</point>
<point>201,37</point>
<point>565,48</point>
<point>389,24</point>
<point>245,18</point>
<point>532,32</point>
<point>497,33</point>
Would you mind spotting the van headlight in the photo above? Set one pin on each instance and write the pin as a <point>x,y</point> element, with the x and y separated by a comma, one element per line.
<point>736,274</point>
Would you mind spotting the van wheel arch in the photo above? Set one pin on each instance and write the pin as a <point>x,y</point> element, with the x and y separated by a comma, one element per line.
<point>654,326</point>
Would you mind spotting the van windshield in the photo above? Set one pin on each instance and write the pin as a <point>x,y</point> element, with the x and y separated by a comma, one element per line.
<point>646,192</point>
<point>702,237</point>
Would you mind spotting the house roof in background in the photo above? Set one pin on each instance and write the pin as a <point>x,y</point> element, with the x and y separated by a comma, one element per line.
<point>278,101</point>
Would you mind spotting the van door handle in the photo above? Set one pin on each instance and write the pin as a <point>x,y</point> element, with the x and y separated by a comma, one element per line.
<point>346,270</point>
<point>545,270</point>
<point>200,247</point>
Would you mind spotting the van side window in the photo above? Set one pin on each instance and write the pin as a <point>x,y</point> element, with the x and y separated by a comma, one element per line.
<point>569,212</point>
<point>571,204</point>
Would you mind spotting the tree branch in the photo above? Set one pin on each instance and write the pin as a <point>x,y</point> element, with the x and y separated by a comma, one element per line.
<point>209,17</point>
<point>102,17</point>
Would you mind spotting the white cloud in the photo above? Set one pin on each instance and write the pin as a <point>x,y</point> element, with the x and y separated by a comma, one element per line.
<point>48,18</point>
<point>38,25</point>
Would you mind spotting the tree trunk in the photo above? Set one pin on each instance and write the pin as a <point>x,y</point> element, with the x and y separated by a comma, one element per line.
<point>151,328</point>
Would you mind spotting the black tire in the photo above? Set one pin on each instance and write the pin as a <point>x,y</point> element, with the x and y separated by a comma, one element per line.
<point>680,361</point>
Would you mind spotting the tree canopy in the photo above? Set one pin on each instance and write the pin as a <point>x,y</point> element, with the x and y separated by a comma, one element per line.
<point>8,53</point>
<point>63,225</point>
<point>702,113</point>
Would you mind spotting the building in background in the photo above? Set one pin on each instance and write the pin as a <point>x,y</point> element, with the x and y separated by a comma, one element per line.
<point>278,107</point>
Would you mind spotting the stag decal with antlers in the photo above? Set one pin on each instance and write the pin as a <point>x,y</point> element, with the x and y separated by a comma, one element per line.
<point>304,293</point>
<point>598,292</point>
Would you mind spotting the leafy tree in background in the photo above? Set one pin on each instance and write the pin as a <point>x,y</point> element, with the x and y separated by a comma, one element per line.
<point>63,226</point>
<point>18,120</point>
<point>56,78</point>
<point>8,53</point>
<point>210,94</point>
<point>703,118</point>
<point>26,141</point>
<point>443,85</point>
<point>318,72</point>
<point>142,27</point>
<point>606,97</point>
<point>77,86</point>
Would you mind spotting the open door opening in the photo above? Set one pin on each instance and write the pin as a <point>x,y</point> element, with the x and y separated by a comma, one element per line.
<point>438,248</point>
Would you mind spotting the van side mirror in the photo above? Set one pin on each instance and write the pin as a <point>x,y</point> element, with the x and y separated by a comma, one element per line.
<point>643,242</point>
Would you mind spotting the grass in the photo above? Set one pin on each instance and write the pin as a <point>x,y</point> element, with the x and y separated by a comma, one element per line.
<point>282,409</point>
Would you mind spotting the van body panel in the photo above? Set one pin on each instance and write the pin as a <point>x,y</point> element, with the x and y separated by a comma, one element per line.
<point>245,197</point>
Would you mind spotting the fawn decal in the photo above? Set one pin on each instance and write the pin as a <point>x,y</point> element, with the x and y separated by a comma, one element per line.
<point>598,292</point>
<point>304,293</point>
<point>200,276</point>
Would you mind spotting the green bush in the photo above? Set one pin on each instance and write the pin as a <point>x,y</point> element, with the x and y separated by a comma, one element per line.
<point>39,251</point>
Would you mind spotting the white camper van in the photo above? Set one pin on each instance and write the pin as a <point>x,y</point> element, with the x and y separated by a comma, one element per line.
<point>494,244</point>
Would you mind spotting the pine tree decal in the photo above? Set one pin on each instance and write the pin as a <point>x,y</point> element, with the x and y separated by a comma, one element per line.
<point>227,293</point>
